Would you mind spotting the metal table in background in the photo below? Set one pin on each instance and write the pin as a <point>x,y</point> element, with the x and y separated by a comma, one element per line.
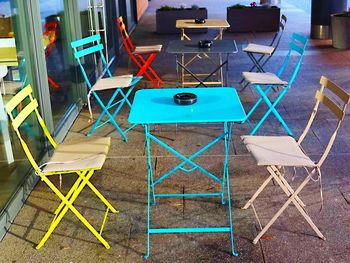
<point>219,47</point>
<point>184,24</point>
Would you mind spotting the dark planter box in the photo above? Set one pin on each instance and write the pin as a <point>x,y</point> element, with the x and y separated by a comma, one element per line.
<point>257,19</point>
<point>166,20</point>
<point>340,24</point>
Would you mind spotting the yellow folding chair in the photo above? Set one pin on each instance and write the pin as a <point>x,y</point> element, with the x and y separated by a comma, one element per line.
<point>82,158</point>
<point>277,152</point>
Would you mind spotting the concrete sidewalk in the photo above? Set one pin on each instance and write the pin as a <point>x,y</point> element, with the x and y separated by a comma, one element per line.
<point>124,178</point>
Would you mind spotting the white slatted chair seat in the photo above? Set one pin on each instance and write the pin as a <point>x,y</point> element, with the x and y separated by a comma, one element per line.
<point>147,49</point>
<point>82,155</point>
<point>263,78</point>
<point>123,81</point>
<point>260,49</point>
<point>277,150</point>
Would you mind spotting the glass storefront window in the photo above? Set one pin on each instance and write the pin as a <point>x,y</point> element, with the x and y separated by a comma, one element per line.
<point>61,75</point>
<point>14,165</point>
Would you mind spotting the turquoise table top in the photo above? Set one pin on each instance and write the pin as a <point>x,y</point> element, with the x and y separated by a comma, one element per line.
<point>152,106</point>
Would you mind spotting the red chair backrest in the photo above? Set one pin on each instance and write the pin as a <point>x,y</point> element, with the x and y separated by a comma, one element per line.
<point>125,36</point>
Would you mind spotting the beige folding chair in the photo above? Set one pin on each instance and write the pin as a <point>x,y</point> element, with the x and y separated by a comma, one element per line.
<point>277,152</point>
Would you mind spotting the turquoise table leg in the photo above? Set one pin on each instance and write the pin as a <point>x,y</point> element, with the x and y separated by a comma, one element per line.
<point>149,164</point>
<point>228,130</point>
<point>226,136</point>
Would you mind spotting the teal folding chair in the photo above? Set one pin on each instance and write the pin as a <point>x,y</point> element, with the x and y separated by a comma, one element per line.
<point>274,82</point>
<point>261,54</point>
<point>123,85</point>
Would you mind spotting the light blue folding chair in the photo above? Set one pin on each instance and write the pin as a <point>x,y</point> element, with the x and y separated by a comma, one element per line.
<point>123,85</point>
<point>274,82</point>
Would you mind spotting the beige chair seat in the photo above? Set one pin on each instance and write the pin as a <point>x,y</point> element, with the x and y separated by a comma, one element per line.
<point>261,49</point>
<point>263,78</point>
<point>277,150</point>
<point>83,155</point>
<point>113,82</point>
<point>147,49</point>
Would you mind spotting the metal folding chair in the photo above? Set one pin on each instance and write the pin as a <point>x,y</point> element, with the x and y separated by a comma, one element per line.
<point>264,52</point>
<point>273,82</point>
<point>118,83</point>
<point>277,152</point>
<point>82,158</point>
<point>137,53</point>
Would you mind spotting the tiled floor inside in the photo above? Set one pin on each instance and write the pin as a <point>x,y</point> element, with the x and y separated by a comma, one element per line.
<point>123,179</point>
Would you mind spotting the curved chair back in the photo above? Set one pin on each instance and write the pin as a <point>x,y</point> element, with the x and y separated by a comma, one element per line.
<point>338,104</point>
<point>87,46</point>
<point>297,45</point>
<point>277,37</point>
<point>129,46</point>
<point>18,117</point>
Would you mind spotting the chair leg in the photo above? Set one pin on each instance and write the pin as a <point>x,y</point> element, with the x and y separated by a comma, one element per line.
<point>273,110</point>
<point>292,198</point>
<point>261,188</point>
<point>105,111</point>
<point>145,66</point>
<point>257,103</point>
<point>151,69</point>
<point>287,188</point>
<point>68,195</point>
<point>69,205</point>
<point>145,72</point>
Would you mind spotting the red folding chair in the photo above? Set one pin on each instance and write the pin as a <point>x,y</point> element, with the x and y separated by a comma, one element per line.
<point>138,55</point>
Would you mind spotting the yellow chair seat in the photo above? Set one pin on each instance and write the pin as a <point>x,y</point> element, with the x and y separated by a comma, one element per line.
<point>82,155</point>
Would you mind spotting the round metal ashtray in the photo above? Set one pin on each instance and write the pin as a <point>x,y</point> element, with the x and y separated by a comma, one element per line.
<point>205,43</point>
<point>185,98</point>
<point>199,21</point>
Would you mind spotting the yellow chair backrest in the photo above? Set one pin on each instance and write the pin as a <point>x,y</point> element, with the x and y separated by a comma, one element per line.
<point>18,117</point>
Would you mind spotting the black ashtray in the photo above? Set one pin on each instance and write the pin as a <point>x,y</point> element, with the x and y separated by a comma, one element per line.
<point>185,98</point>
<point>199,21</point>
<point>205,43</point>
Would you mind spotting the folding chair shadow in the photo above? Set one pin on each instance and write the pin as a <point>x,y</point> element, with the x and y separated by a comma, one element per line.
<point>264,52</point>
<point>117,83</point>
<point>138,53</point>
<point>82,158</point>
<point>278,152</point>
<point>271,81</point>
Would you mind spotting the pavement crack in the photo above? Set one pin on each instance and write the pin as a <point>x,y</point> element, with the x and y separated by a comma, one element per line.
<point>128,243</point>
<point>343,195</point>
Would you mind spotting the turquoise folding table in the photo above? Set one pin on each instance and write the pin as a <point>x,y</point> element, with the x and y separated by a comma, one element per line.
<point>214,105</point>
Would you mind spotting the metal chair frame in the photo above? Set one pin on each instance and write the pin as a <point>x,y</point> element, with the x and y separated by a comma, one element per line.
<point>84,175</point>
<point>97,48</point>
<point>259,62</point>
<point>144,64</point>
<point>297,45</point>
<point>274,168</point>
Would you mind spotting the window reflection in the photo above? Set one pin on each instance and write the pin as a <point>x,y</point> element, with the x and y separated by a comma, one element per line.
<point>13,164</point>
<point>61,80</point>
